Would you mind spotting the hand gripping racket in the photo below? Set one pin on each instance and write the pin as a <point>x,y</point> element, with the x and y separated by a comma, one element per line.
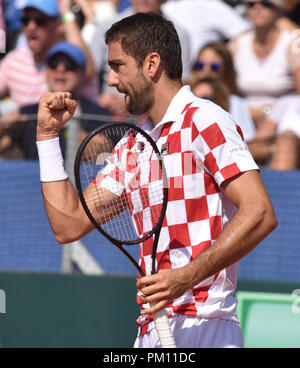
<point>122,185</point>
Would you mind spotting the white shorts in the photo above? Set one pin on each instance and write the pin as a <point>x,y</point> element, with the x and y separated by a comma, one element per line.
<point>192,332</point>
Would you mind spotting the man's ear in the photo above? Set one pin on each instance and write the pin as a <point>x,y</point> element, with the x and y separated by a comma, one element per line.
<point>152,65</point>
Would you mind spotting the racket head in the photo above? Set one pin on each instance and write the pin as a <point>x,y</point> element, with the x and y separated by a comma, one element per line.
<point>105,146</point>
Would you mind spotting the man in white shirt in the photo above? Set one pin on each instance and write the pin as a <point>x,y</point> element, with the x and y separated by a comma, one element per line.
<point>220,212</point>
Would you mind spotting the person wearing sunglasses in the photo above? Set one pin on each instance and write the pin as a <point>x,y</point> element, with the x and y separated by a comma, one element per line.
<point>22,71</point>
<point>215,61</point>
<point>65,72</point>
<point>267,68</point>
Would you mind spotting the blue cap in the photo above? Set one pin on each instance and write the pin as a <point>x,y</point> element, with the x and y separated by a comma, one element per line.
<point>47,7</point>
<point>74,52</point>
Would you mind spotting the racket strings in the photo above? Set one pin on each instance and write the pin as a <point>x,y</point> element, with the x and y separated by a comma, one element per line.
<point>124,163</point>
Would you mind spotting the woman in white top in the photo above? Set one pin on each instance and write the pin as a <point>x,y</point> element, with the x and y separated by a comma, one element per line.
<point>267,63</point>
<point>214,61</point>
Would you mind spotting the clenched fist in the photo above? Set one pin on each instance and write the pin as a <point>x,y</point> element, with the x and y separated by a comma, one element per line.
<point>55,110</point>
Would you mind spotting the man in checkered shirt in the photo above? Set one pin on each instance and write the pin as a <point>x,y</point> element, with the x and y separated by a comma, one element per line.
<point>218,209</point>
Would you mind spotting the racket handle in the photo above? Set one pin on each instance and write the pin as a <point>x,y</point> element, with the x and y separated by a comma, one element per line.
<point>163,329</point>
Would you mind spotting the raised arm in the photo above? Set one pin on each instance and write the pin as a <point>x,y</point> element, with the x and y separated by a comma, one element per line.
<point>64,210</point>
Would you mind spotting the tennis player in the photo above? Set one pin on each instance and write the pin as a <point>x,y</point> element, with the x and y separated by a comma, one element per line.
<point>218,208</point>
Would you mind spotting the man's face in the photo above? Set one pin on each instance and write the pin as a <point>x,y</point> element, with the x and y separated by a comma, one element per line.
<point>63,75</point>
<point>262,15</point>
<point>129,79</point>
<point>144,6</point>
<point>41,31</point>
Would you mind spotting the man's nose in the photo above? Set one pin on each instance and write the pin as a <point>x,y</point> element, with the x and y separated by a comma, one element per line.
<point>112,80</point>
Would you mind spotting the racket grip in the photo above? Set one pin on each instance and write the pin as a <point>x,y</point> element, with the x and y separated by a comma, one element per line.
<point>163,329</point>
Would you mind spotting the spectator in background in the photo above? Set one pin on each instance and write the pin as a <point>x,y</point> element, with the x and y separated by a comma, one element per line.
<point>72,33</point>
<point>93,13</point>
<point>206,21</point>
<point>287,21</point>
<point>267,68</point>
<point>109,96</point>
<point>103,9</point>
<point>215,61</point>
<point>2,31</point>
<point>65,72</point>
<point>22,71</point>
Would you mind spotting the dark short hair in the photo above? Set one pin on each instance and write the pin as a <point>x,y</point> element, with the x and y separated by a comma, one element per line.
<point>143,33</point>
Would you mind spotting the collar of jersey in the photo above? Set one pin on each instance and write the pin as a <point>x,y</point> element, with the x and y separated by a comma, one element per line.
<point>178,103</point>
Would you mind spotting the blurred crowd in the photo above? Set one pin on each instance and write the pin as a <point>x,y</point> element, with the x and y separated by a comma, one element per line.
<point>243,55</point>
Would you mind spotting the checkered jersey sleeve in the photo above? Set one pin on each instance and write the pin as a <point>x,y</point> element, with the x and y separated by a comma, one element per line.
<point>219,145</point>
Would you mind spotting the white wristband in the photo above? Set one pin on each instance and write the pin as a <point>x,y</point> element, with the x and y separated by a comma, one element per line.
<point>51,161</point>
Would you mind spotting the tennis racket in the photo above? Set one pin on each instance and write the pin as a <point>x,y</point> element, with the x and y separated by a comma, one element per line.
<point>122,185</point>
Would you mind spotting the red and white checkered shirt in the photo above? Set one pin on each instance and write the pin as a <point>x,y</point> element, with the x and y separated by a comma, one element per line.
<point>202,148</point>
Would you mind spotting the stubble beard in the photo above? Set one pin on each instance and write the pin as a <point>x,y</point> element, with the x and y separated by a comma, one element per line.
<point>142,99</point>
